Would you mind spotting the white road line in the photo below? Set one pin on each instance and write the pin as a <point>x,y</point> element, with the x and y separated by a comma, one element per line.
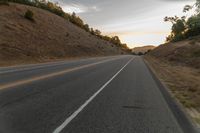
<point>70,118</point>
<point>37,66</point>
<point>27,67</point>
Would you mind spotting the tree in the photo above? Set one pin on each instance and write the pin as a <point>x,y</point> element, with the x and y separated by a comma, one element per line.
<point>197,5</point>
<point>107,38</point>
<point>116,40</point>
<point>178,27</point>
<point>97,32</point>
<point>86,27</point>
<point>76,20</point>
<point>50,5</point>
<point>73,15</point>
<point>184,27</point>
<point>193,26</point>
<point>124,46</point>
<point>173,20</point>
<point>92,31</point>
<point>189,7</point>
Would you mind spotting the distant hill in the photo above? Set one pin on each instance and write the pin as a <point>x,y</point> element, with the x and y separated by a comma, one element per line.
<point>48,37</point>
<point>142,49</point>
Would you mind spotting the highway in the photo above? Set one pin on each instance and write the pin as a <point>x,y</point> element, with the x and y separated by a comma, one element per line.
<point>114,94</point>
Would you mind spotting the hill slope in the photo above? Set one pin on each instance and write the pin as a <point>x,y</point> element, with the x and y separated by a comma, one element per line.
<point>49,37</point>
<point>177,65</point>
<point>185,52</point>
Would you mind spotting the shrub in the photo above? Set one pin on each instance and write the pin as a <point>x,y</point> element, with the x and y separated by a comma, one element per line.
<point>29,15</point>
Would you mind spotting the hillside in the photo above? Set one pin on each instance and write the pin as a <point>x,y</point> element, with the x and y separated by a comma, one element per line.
<point>185,52</point>
<point>142,49</point>
<point>178,66</point>
<point>48,38</point>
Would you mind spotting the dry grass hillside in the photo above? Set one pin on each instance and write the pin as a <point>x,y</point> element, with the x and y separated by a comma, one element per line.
<point>178,66</point>
<point>49,37</point>
<point>185,52</point>
<point>143,49</point>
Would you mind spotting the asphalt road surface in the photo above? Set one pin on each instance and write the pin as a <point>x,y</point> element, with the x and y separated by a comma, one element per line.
<point>115,94</point>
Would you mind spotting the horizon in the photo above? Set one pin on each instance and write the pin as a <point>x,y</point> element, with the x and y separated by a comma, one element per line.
<point>134,27</point>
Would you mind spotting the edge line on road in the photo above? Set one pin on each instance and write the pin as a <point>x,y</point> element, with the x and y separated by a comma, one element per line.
<point>73,115</point>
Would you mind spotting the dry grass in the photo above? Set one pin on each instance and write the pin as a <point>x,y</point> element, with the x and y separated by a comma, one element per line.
<point>185,52</point>
<point>183,82</point>
<point>49,37</point>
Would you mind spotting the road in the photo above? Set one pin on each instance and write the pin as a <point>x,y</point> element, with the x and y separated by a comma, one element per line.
<point>115,94</point>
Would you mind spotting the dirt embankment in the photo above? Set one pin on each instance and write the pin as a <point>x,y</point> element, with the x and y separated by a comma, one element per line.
<point>48,38</point>
<point>178,66</point>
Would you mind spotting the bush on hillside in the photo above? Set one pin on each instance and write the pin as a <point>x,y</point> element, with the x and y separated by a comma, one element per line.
<point>29,15</point>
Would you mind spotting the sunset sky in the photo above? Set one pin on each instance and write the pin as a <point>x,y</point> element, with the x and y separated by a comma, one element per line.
<point>136,22</point>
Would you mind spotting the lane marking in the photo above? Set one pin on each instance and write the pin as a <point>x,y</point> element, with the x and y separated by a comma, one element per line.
<point>34,67</point>
<point>40,65</point>
<point>71,117</point>
<point>26,81</point>
<point>31,68</point>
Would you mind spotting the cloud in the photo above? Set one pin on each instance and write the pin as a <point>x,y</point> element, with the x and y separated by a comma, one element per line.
<point>133,33</point>
<point>134,21</point>
<point>76,7</point>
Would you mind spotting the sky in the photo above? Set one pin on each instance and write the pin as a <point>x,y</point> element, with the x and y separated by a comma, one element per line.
<point>136,22</point>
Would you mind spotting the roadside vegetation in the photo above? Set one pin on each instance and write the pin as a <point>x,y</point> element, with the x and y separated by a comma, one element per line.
<point>185,27</point>
<point>177,63</point>
<point>182,81</point>
<point>56,9</point>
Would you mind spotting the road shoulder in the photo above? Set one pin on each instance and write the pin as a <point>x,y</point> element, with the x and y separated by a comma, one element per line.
<point>181,113</point>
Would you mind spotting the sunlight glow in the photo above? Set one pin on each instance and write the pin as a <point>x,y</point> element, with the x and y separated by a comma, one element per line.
<point>136,23</point>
